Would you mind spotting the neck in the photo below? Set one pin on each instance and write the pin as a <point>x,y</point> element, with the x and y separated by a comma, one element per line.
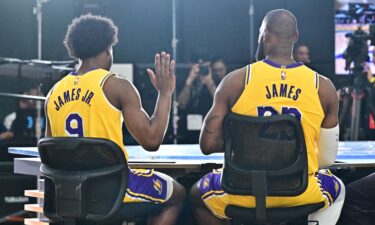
<point>282,60</point>
<point>281,54</point>
<point>89,64</point>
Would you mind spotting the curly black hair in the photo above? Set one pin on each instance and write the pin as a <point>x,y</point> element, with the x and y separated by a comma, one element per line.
<point>90,35</point>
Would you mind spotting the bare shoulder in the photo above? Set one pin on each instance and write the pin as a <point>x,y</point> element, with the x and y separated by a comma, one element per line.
<point>232,86</point>
<point>327,92</point>
<point>118,90</point>
<point>116,81</point>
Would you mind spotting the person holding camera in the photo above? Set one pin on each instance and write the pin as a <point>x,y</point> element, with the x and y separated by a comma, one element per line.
<point>196,97</point>
<point>203,75</point>
<point>198,83</point>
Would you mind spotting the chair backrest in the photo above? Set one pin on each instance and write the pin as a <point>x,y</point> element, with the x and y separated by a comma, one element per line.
<point>264,156</point>
<point>85,178</point>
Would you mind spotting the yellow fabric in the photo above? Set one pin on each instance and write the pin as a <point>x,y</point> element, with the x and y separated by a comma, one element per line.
<point>298,88</point>
<point>77,106</point>
<point>218,200</point>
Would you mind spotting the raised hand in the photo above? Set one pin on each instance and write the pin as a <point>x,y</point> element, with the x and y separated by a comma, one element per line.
<point>163,78</point>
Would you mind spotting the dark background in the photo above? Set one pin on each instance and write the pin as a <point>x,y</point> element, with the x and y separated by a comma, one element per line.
<point>208,27</point>
<point>204,27</point>
<point>219,27</point>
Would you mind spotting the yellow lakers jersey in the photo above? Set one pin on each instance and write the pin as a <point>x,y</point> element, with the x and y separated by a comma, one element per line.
<point>293,89</point>
<point>78,107</point>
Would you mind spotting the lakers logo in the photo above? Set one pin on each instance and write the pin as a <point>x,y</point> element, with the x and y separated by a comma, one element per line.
<point>283,75</point>
<point>76,81</point>
<point>158,186</point>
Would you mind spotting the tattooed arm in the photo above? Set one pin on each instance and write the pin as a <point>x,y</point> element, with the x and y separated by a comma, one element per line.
<point>212,135</point>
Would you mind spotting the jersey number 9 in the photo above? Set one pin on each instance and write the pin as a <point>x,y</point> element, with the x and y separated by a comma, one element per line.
<point>74,125</point>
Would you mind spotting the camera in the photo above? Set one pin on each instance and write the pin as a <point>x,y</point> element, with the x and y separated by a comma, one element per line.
<point>204,68</point>
<point>357,50</point>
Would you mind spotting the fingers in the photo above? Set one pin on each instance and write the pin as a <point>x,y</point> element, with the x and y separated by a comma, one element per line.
<point>152,76</point>
<point>171,68</point>
<point>162,63</point>
<point>157,64</point>
<point>167,65</point>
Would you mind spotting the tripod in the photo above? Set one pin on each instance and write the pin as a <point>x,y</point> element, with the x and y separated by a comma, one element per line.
<point>357,93</point>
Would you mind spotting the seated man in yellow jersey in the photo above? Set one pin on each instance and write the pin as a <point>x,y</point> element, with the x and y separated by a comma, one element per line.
<point>276,84</point>
<point>93,102</point>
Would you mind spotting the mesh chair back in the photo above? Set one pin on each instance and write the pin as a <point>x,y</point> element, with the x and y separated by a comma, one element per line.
<point>85,178</point>
<point>274,145</point>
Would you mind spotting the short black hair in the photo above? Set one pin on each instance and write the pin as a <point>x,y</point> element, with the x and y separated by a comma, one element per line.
<point>90,35</point>
<point>297,46</point>
<point>217,59</point>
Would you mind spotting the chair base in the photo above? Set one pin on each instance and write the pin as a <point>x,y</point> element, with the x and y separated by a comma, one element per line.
<point>297,222</point>
<point>274,215</point>
<point>128,212</point>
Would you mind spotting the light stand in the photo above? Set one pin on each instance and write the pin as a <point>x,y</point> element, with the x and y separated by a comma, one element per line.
<point>174,54</point>
<point>39,17</point>
<point>251,29</point>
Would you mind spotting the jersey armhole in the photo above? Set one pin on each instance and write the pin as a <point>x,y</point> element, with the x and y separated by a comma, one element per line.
<point>248,75</point>
<point>317,81</point>
<point>104,79</point>
<point>102,82</point>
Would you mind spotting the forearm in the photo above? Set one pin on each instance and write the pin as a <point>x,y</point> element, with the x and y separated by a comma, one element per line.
<point>211,143</point>
<point>184,97</point>
<point>328,146</point>
<point>212,137</point>
<point>160,118</point>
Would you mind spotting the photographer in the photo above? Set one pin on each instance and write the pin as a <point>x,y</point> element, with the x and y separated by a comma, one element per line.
<point>201,84</point>
<point>196,96</point>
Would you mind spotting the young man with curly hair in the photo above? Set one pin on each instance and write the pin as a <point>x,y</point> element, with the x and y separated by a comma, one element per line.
<point>93,102</point>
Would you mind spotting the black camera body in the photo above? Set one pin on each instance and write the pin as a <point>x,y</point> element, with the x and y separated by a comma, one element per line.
<point>203,68</point>
<point>357,50</point>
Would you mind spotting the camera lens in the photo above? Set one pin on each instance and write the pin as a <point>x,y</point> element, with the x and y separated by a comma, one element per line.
<point>203,70</point>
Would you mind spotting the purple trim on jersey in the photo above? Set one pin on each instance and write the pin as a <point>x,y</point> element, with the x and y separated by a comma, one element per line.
<point>290,66</point>
<point>147,186</point>
<point>75,73</point>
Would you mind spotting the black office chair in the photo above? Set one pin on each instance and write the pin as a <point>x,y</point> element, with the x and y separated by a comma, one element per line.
<point>265,156</point>
<point>85,181</point>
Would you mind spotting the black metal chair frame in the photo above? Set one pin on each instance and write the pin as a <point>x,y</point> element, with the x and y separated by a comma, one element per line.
<point>259,188</point>
<point>68,187</point>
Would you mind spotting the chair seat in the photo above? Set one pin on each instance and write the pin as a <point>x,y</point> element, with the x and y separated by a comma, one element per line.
<point>131,211</point>
<point>274,215</point>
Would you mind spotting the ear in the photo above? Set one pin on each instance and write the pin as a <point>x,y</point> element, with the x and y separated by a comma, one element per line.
<point>266,36</point>
<point>109,50</point>
<point>296,37</point>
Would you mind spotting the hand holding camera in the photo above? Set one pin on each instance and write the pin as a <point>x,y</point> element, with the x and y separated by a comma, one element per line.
<point>194,73</point>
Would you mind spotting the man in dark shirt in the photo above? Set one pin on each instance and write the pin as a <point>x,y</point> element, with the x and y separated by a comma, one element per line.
<point>196,97</point>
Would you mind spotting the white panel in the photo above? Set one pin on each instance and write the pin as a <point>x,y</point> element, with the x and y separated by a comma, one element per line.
<point>123,70</point>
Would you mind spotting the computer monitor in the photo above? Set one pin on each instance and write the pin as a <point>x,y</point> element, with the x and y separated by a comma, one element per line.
<point>349,15</point>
